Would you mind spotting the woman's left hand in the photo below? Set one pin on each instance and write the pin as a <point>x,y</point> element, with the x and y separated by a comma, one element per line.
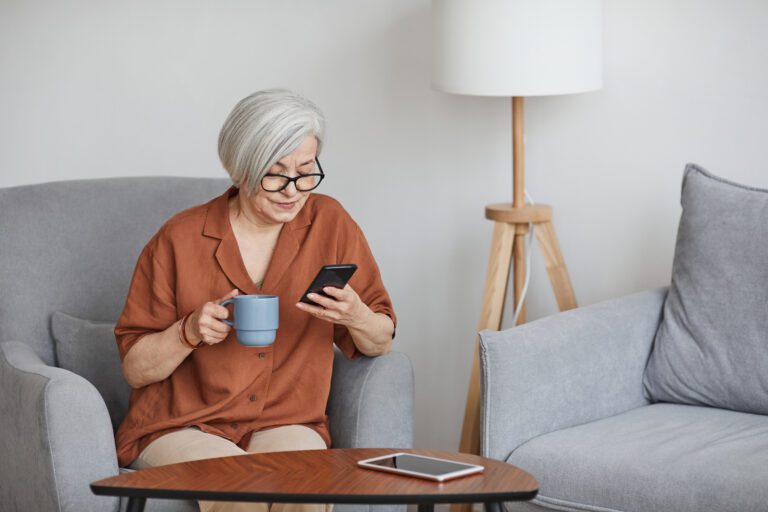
<point>344,308</point>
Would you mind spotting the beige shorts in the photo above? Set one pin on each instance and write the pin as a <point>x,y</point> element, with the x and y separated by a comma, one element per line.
<point>192,444</point>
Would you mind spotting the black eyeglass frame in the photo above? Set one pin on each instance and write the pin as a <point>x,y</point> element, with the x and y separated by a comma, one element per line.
<point>295,179</point>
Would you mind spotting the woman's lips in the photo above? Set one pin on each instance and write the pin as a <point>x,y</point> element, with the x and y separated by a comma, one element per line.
<point>286,206</point>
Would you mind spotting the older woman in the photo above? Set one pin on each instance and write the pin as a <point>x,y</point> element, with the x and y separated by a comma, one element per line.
<point>197,393</point>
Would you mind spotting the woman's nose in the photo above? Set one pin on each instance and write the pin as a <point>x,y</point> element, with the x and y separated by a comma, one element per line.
<point>290,190</point>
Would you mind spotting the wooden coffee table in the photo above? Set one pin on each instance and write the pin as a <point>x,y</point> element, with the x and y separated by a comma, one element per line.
<point>319,476</point>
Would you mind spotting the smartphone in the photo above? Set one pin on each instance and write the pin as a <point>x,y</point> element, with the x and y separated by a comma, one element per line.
<point>330,275</point>
<point>421,466</point>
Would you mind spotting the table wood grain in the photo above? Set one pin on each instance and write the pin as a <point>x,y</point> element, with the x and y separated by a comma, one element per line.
<point>321,476</point>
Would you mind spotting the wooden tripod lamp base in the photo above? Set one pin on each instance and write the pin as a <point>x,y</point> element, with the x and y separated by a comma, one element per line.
<point>510,227</point>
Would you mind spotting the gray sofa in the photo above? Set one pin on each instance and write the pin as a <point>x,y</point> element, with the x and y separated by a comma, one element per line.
<point>67,251</point>
<point>657,401</point>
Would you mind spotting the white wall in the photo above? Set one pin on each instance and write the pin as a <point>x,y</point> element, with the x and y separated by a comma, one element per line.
<point>113,88</point>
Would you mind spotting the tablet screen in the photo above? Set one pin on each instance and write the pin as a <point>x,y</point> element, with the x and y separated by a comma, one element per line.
<point>418,464</point>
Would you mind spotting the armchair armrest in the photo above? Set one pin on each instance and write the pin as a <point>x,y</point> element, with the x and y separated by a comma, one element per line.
<point>565,370</point>
<point>56,436</point>
<point>371,401</point>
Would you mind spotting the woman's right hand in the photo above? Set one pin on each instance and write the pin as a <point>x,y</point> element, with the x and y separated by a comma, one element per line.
<point>205,323</point>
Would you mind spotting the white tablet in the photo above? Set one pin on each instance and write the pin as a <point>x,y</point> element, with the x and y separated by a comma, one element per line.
<point>420,466</point>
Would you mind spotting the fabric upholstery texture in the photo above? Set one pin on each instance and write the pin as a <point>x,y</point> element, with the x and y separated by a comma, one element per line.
<point>71,247</point>
<point>660,457</point>
<point>711,346</point>
<point>56,439</point>
<point>63,241</point>
<point>565,370</point>
<point>371,402</point>
<point>89,350</point>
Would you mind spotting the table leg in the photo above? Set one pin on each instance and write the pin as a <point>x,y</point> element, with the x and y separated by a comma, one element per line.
<point>494,506</point>
<point>136,504</point>
<point>426,507</point>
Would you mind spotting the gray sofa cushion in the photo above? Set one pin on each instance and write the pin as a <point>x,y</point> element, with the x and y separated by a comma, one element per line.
<point>712,344</point>
<point>656,457</point>
<point>89,350</point>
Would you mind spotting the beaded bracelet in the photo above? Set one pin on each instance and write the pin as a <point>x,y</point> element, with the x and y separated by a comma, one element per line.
<point>183,333</point>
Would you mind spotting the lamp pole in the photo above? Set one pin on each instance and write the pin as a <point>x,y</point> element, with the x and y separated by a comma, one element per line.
<point>518,201</point>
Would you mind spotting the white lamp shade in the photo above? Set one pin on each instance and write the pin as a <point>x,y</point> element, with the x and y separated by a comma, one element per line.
<point>516,47</point>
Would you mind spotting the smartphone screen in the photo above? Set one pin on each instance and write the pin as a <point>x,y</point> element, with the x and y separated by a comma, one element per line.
<point>330,275</point>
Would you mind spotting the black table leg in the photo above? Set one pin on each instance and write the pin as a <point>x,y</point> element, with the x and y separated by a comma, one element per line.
<point>426,507</point>
<point>494,506</point>
<point>136,504</point>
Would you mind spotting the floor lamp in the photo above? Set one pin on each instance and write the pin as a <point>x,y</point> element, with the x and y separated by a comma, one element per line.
<point>515,48</point>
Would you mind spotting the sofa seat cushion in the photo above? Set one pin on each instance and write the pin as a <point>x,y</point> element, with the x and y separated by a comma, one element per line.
<point>658,457</point>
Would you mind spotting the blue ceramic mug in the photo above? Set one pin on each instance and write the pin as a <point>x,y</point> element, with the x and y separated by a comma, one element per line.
<point>255,319</point>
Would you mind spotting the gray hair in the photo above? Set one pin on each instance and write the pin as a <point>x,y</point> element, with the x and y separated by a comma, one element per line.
<point>263,128</point>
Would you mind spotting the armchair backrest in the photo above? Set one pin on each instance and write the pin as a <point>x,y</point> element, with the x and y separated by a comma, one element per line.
<point>72,246</point>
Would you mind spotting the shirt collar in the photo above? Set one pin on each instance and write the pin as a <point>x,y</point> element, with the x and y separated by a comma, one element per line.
<point>217,225</point>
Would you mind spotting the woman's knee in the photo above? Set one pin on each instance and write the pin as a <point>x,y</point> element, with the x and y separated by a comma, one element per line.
<point>286,438</point>
<point>183,446</point>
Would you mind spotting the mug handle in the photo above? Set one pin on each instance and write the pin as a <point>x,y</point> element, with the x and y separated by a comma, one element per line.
<point>228,301</point>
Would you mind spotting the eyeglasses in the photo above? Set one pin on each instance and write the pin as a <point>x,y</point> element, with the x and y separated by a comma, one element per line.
<point>302,182</point>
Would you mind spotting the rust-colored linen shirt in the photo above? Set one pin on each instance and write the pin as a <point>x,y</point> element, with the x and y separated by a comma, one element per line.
<point>229,389</point>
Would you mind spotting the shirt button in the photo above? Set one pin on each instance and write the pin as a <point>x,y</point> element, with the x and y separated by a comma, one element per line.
<point>233,425</point>
<point>262,355</point>
<point>252,398</point>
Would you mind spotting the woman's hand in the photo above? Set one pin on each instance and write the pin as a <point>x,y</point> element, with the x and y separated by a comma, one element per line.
<point>371,332</point>
<point>344,308</point>
<point>205,323</point>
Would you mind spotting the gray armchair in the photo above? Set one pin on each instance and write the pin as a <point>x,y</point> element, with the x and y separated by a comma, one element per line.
<point>71,247</point>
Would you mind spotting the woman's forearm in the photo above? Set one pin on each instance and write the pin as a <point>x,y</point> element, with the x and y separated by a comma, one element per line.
<point>154,357</point>
<point>157,355</point>
<point>371,332</point>
<point>373,336</point>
